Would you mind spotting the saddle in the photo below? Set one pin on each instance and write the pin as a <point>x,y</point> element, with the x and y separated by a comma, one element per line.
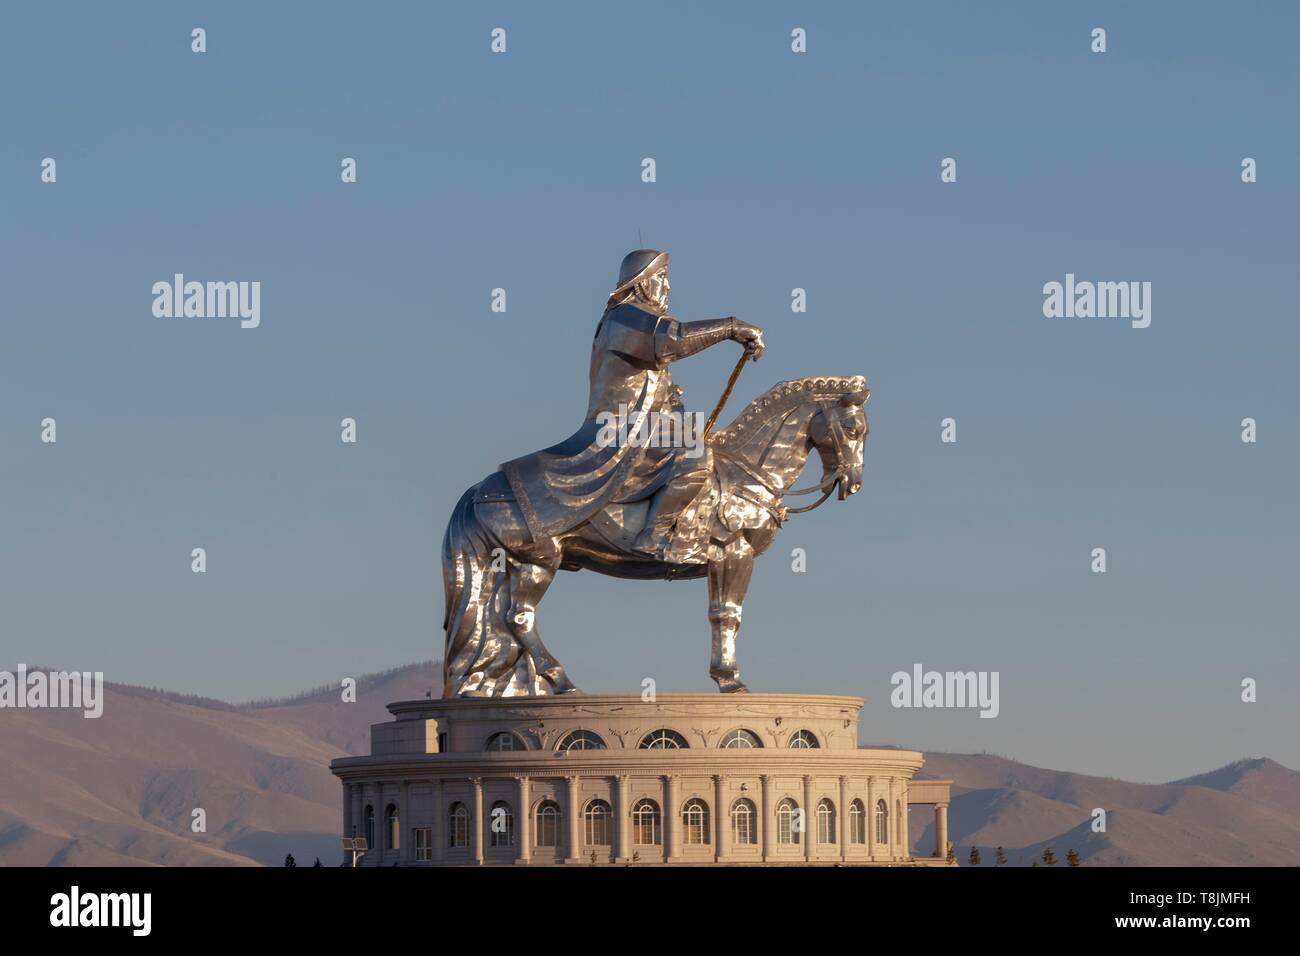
<point>731,501</point>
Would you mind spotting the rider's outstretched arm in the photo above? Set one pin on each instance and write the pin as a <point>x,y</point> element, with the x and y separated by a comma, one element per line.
<point>676,340</point>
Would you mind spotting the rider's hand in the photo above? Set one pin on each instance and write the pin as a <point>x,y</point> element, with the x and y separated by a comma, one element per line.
<point>751,337</point>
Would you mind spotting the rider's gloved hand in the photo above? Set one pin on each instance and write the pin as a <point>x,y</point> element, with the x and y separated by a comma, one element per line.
<point>750,336</point>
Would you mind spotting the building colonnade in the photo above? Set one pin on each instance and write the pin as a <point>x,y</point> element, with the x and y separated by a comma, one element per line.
<point>858,819</point>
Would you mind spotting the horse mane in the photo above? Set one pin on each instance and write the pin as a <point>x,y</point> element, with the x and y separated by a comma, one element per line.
<point>774,404</point>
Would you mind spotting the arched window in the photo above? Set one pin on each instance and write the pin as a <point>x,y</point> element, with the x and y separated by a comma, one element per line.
<point>787,812</point>
<point>369,819</point>
<point>663,740</point>
<point>580,740</point>
<point>743,830</point>
<point>457,825</point>
<point>741,740</point>
<point>826,821</point>
<point>695,822</point>
<point>392,829</point>
<point>504,741</point>
<point>501,824</point>
<point>548,823</point>
<point>804,740</point>
<point>596,820</point>
<point>646,826</point>
<point>857,822</point>
<point>882,822</point>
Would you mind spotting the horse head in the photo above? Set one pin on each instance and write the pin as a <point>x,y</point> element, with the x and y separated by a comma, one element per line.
<point>779,429</point>
<point>839,432</point>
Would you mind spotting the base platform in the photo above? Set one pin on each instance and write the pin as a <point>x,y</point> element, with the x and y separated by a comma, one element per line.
<point>583,779</point>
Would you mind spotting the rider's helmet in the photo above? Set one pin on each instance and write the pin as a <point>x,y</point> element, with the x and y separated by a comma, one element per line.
<point>636,266</point>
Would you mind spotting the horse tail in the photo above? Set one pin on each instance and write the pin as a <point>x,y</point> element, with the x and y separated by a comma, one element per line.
<point>480,652</point>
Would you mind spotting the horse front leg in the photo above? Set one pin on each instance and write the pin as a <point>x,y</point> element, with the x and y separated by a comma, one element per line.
<point>728,582</point>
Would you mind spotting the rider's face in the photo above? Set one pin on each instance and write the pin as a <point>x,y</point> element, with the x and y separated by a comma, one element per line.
<point>656,288</point>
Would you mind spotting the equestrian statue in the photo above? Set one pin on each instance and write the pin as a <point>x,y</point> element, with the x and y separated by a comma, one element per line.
<point>636,492</point>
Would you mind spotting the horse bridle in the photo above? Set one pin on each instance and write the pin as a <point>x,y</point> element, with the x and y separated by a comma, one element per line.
<point>825,486</point>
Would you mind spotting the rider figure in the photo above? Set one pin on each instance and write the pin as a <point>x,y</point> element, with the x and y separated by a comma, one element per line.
<point>639,303</point>
<point>635,342</point>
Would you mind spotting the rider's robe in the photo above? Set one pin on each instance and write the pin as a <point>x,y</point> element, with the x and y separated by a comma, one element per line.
<point>560,487</point>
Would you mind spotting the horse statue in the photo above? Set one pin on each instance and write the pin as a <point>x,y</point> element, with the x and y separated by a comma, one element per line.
<point>496,572</point>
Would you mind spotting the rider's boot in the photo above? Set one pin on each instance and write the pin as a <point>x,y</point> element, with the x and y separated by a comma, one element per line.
<point>671,499</point>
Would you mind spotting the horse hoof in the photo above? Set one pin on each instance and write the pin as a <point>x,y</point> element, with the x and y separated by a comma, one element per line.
<point>732,686</point>
<point>559,681</point>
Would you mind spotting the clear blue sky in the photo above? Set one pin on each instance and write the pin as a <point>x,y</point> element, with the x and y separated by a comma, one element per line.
<point>775,170</point>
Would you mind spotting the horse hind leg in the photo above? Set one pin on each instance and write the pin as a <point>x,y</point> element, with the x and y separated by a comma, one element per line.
<point>728,582</point>
<point>528,585</point>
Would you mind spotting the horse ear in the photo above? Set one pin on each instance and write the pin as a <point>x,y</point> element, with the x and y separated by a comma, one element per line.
<point>856,398</point>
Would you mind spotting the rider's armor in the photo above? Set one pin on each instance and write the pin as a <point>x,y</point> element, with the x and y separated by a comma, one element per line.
<point>562,486</point>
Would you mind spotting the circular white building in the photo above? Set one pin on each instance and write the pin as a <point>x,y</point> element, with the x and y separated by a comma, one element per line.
<point>697,779</point>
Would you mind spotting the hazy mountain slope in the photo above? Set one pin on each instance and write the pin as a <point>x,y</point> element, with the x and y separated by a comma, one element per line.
<point>1244,814</point>
<point>122,789</point>
<point>322,713</point>
<point>1260,780</point>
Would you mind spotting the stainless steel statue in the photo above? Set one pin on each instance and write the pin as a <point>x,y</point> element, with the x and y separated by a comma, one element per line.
<point>649,497</point>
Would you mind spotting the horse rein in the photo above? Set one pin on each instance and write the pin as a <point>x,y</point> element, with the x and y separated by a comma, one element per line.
<point>825,486</point>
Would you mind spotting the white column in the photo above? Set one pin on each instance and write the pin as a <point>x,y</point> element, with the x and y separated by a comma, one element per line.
<point>809,820</point>
<point>404,836</point>
<point>477,824</point>
<point>765,816</point>
<point>438,832</point>
<point>871,818</point>
<point>941,830</point>
<point>523,818</point>
<point>843,811</point>
<point>906,833</point>
<point>721,818</point>
<point>377,802</point>
<point>623,831</point>
<point>891,832</point>
<point>573,814</point>
<point>347,809</point>
<point>672,819</point>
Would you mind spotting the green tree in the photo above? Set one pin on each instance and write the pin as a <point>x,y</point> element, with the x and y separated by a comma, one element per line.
<point>952,854</point>
<point>1072,858</point>
<point>290,861</point>
<point>1049,857</point>
<point>1001,859</point>
<point>974,856</point>
<point>317,863</point>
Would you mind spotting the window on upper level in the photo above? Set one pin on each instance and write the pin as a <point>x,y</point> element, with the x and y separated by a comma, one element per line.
<point>663,739</point>
<point>504,741</point>
<point>741,740</point>
<point>580,740</point>
<point>804,740</point>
